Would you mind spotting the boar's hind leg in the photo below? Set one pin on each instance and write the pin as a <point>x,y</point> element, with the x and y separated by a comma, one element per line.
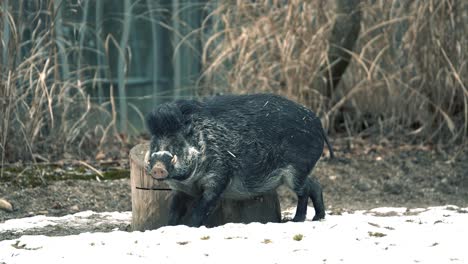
<point>313,190</point>
<point>315,194</point>
<point>301,209</point>
<point>178,207</point>
<point>298,185</point>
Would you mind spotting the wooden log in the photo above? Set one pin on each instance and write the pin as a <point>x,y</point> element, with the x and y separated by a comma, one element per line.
<point>150,201</point>
<point>148,206</point>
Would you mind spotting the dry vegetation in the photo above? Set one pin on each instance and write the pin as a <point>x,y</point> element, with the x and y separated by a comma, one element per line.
<point>46,111</point>
<point>407,79</point>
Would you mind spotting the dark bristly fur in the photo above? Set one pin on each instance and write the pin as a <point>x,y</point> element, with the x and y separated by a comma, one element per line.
<point>237,146</point>
<point>164,120</point>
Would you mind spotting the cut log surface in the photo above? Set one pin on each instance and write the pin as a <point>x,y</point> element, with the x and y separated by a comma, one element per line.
<point>151,198</point>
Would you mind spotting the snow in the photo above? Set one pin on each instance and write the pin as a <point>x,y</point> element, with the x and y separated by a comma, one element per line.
<point>381,235</point>
<point>78,219</point>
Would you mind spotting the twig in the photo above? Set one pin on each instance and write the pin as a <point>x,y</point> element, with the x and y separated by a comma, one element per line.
<point>91,168</point>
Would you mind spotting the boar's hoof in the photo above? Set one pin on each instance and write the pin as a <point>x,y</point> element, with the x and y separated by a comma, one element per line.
<point>319,216</point>
<point>299,218</point>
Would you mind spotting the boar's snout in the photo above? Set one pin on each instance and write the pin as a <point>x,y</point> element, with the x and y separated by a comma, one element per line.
<point>159,171</point>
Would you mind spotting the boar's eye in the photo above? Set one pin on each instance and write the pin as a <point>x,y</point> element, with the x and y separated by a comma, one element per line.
<point>154,143</point>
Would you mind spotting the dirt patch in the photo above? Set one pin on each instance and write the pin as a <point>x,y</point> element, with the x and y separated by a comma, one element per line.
<point>64,197</point>
<point>363,176</point>
<point>403,176</point>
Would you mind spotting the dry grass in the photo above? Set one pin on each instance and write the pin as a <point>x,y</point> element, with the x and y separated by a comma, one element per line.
<point>407,81</point>
<point>262,48</point>
<point>46,111</point>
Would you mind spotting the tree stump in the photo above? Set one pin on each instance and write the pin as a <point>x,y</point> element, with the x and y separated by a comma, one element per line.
<point>150,201</point>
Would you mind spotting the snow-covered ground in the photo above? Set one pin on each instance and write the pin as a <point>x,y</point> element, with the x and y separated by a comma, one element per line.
<point>382,235</point>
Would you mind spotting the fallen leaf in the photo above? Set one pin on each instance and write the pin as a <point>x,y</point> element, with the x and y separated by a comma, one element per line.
<point>100,155</point>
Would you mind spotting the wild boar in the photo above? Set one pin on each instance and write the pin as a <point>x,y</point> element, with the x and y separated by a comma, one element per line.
<point>236,147</point>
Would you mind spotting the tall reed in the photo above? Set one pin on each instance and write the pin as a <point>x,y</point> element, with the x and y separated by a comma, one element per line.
<point>407,79</point>
<point>46,111</point>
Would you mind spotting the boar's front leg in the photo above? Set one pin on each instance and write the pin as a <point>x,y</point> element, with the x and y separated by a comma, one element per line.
<point>178,207</point>
<point>213,187</point>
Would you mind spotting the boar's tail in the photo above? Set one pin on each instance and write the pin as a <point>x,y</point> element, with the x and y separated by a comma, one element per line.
<point>330,148</point>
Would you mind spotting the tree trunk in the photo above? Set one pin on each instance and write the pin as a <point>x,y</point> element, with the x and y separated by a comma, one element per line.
<point>343,37</point>
<point>150,201</point>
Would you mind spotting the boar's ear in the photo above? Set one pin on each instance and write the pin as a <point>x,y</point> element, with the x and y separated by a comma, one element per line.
<point>188,108</point>
<point>164,119</point>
